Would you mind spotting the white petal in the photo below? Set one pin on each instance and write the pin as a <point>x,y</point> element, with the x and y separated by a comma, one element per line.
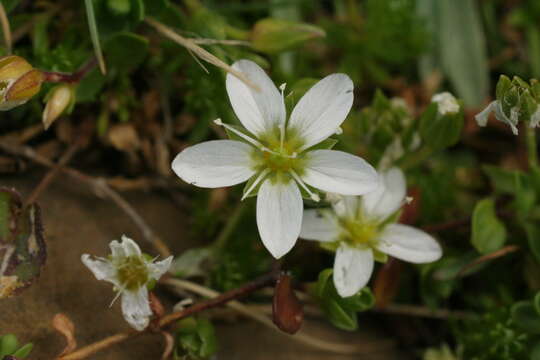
<point>346,206</point>
<point>216,163</point>
<point>279,216</point>
<point>409,244</point>
<point>352,269</point>
<point>501,116</point>
<point>339,172</point>
<point>388,197</point>
<point>482,117</point>
<point>102,269</point>
<point>259,111</point>
<point>318,226</point>
<point>159,268</point>
<point>322,109</point>
<point>136,308</point>
<point>130,247</point>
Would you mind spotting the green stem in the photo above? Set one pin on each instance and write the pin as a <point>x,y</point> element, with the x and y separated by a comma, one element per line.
<point>532,148</point>
<point>231,224</point>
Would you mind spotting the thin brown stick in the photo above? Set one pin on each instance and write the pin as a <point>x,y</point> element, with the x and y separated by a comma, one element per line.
<point>221,299</point>
<point>493,255</point>
<point>49,177</point>
<point>100,345</point>
<point>99,186</point>
<point>422,311</point>
<point>5,28</point>
<point>199,51</point>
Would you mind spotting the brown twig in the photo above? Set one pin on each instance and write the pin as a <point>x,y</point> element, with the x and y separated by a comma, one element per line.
<point>493,255</point>
<point>201,53</point>
<point>70,78</point>
<point>49,177</point>
<point>100,345</point>
<point>238,293</point>
<point>6,29</point>
<point>422,311</point>
<point>99,186</point>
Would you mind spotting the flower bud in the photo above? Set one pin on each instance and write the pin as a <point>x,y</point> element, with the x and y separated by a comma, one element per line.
<point>273,36</point>
<point>19,81</point>
<point>58,100</point>
<point>446,103</point>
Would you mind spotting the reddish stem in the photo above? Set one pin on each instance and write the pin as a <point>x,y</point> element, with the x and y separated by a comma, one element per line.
<point>70,78</point>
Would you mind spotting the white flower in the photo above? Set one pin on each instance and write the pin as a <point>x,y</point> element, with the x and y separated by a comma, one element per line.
<point>362,229</point>
<point>446,102</point>
<point>130,272</point>
<point>278,155</point>
<point>495,106</point>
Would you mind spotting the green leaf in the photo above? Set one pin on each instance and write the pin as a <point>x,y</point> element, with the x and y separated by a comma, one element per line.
<point>8,345</point>
<point>21,235</point>
<point>342,318</point>
<point>94,34</point>
<point>532,230</point>
<point>525,317</point>
<point>535,353</point>
<point>125,50</point>
<point>440,131</point>
<point>90,87</point>
<point>196,338</point>
<point>341,311</point>
<point>273,36</point>
<point>536,303</point>
<point>488,233</point>
<point>457,29</point>
<point>24,351</point>
<point>502,180</point>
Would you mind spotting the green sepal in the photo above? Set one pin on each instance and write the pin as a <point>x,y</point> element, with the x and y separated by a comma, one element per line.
<point>379,256</point>
<point>327,144</point>
<point>503,85</point>
<point>23,351</point>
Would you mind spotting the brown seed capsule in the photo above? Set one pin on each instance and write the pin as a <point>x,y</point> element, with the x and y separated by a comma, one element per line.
<point>287,311</point>
<point>18,81</point>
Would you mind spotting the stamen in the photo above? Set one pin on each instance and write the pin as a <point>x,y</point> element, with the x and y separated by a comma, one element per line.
<point>119,292</point>
<point>282,125</point>
<point>255,183</point>
<point>312,195</point>
<point>241,134</point>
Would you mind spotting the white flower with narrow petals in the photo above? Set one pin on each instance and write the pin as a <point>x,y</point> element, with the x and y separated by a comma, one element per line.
<point>446,102</point>
<point>277,156</point>
<point>512,120</point>
<point>130,272</point>
<point>363,229</point>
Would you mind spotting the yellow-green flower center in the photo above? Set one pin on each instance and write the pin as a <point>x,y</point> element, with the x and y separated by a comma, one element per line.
<point>132,272</point>
<point>282,157</point>
<point>359,232</point>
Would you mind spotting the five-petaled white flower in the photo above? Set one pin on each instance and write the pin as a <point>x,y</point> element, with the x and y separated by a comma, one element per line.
<point>130,272</point>
<point>277,155</point>
<point>446,102</point>
<point>362,230</point>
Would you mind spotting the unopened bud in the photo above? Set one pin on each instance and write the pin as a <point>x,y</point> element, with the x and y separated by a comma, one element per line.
<point>273,36</point>
<point>58,100</point>
<point>19,81</point>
